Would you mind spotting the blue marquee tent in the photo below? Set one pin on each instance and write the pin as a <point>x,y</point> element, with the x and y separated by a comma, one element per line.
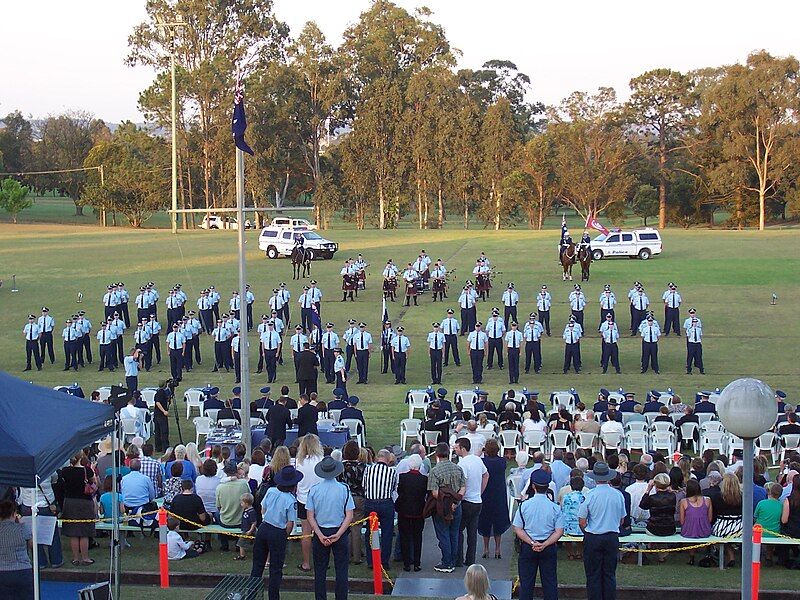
<point>41,428</point>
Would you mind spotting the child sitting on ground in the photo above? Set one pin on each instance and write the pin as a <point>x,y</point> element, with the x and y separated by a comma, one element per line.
<point>177,548</point>
<point>249,525</point>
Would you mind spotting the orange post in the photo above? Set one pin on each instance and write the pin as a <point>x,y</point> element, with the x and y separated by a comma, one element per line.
<point>375,544</point>
<point>163,558</point>
<point>757,529</point>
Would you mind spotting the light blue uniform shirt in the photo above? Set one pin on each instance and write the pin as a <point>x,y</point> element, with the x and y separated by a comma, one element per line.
<point>573,334</point>
<point>401,343</point>
<point>339,363</point>
<point>279,508</point>
<point>436,340</point>
<point>477,340</point>
<point>650,331</point>
<point>104,336</point>
<point>450,326</point>
<point>539,517</point>
<point>175,340</point>
<point>604,509</point>
<point>329,500</point>
<point>514,338</point>
<point>131,367</point>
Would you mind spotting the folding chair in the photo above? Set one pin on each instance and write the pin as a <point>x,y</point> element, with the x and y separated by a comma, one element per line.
<point>202,426</point>
<point>663,440</point>
<point>509,440</point>
<point>417,400</point>
<point>560,439</point>
<point>409,430</point>
<point>194,399</point>
<point>356,429</point>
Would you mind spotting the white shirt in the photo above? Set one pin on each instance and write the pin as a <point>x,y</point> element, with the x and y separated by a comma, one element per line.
<point>533,331</point>
<point>400,343</point>
<point>330,340</point>
<point>514,339</point>
<point>31,331</point>
<point>611,427</point>
<point>650,331</point>
<point>610,332</point>
<point>672,299</point>
<point>640,302</point>
<point>271,340</point>
<point>495,327</point>
<point>694,330</point>
<point>466,300</point>
<point>276,302</point>
<point>176,546</point>
<point>175,340</point>
<point>474,469</point>
<point>573,334</point>
<point>46,323</point>
<point>577,301</point>
<point>297,341</point>
<point>362,340</point>
<point>310,479</point>
<point>131,366</point>
<point>608,300</point>
<point>477,441</point>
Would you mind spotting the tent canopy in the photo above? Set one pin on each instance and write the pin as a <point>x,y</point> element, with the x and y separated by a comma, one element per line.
<point>41,428</point>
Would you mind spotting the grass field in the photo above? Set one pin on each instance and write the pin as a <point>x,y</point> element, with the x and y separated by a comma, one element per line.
<point>729,276</point>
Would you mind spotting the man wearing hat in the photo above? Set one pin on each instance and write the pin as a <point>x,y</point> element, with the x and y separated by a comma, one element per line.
<point>348,336</point>
<point>400,346</point>
<point>532,334</point>
<point>330,340</point>
<point>173,307</point>
<point>600,517</point>
<point>297,342</point>
<point>330,511</point>
<point>539,525</point>
<point>340,372</point>
<point>704,404</point>
<point>477,342</point>
<point>132,364</point>
<point>32,334</point>
<point>639,305</point>
<point>513,344</point>
<point>220,334</point>
<point>609,333</point>
<point>306,301</point>
<point>271,344</point>
<point>250,299</point>
<point>672,305</point>
<point>780,400</point>
<point>607,303</point>
<point>436,344</point>
<point>573,333</point>
<point>307,370</point>
<point>316,295</point>
<point>117,326</point>
<point>577,302</point>
<point>495,330</point>
<point>629,404</point>
<point>191,332</point>
<point>653,404</point>
<point>110,301</point>
<point>362,344</point>
<point>351,412</point>
<point>543,303</point>
<point>261,330</point>
<point>106,348</point>
<point>450,329</point>
<point>206,313</point>
<point>467,301</point>
<point>84,327</point>
<point>47,325</point>
<point>124,298</point>
<point>510,301</point>
<point>650,332</point>
<point>601,405</point>
<point>694,342</point>
<point>279,510</point>
<point>142,302</point>
<point>387,335</point>
<point>154,329</point>
<point>176,345</point>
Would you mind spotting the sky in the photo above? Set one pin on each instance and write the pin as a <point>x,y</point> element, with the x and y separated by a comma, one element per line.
<point>61,56</point>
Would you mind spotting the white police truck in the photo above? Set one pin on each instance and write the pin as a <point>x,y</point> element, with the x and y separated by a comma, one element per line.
<point>278,241</point>
<point>639,243</point>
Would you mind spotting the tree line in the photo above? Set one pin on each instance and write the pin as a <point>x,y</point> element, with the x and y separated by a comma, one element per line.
<point>384,127</point>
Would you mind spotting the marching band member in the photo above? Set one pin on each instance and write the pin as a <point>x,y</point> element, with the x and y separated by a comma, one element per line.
<point>386,347</point>
<point>439,277</point>
<point>410,276</point>
<point>390,280</point>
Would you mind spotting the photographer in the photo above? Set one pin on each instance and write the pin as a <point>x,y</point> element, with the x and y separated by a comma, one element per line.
<point>161,414</point>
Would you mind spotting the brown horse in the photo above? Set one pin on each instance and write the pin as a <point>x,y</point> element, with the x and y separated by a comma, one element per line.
<point>585,258</point>
<point>301,260</point>
<point>567,260</point>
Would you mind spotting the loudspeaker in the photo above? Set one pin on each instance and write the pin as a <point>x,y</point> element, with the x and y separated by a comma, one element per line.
<point>119,397</point>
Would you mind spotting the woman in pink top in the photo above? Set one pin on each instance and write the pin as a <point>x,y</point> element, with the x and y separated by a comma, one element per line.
<point>696,514</point>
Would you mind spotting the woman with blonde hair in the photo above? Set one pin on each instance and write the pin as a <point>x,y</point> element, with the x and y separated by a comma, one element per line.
<point>193,455</point>
<point>280,459</point>
<point>727,506</point>
<point>309,453</point>
<point>476,580</point>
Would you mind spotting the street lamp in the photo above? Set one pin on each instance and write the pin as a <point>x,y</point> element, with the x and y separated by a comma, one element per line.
<point>171,27</point>
<point>747,409</point>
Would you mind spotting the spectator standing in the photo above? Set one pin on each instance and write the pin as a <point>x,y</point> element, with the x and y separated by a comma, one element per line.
<point>77,480</point>
<point>477,478</point>
<point>250,521</point>
<point>380,483</point>
<point>493,520</point>
<point>353,477</point>
<point>46,503</point>
<point>790,515</point>
<point>447,485</point>
<point>16,572</point>
<point>412,491</point>
<point>570,504</point>
<point>309,454</point>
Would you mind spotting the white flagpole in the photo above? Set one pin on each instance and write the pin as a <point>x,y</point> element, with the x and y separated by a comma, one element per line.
<point>244,360</point>
<point>34,537</point>
<point>383,309</point>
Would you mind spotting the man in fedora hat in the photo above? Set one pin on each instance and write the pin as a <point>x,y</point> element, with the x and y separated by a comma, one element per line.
<point>330,511</point>
<point>279,509</point>
<point>600,518</point>
<point>539,525</point>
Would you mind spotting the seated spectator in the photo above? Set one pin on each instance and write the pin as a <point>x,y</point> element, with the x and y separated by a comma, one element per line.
<point>509,418</point>
<point>625,526</point>
<point>790,426</point>
<point>137,489</point>
<point>663,416</point>
<point>611,424</point>
<point>188,471</point>
<point>676,404</point>
<point>696,515</point>
<point>636,416</point>
<point>228,413</point>
<point>106,502</point>
<point>637,490</point>
<point>177,548</point>
<point>206,487</point>
<point>612,414</point>
<point>476,580</point>
<point>768,514</point>
<point>569,510</point>
<point>562,422</point>
<point>587,425</point>
<point>172,486</point>
<point>534,422</point>
<point>189,508</point>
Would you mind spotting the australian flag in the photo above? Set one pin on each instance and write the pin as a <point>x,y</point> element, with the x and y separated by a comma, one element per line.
<point>239,122</point>
<point>385,312</point>
<point>315,318</point>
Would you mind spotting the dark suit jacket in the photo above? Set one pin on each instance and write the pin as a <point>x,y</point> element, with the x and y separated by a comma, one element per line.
<point>279,420</point>
<point>652,407</point>
<point>306,420</point>
<point>412,492</point>
<point>705,407</point>
<point>628,406</point>
<point>307,363</point>
<point>351,412</point>
<point>600,406</point>
<point>213,403</point>
<point>228,413</point>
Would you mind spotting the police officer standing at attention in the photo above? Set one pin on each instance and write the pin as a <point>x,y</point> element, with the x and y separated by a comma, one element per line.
<point>330,340</point>
<point>387,335</point>
<point>577,302</point>
<point>306,301</point>
<point>330,511</point>
<point>607,303</point>
<point>271,342</point>
<point>467,301</point>
<point>46,325</point>
<point>639,304</point>
<point>84,327</point>
<point>32,335</point>
<point>362,343</point>
<point>450,328</point>
<point>298,341</point>
<point>477,342</point>
<point>142,301</point>
<point>124,298</point>
<point>532,334</point>
<point>495,329</point>
<point>543,303</point>
<point>539,525</point>
<point>70,349</point>
<point>141,338</point>
<point>261,329</point>
<point>672,309</point>
<point>250,299</point>
<point>235,304</point>
<point>118,327</point>
<point>236,357</point>
<point>573,333</point>
<point>650,332</point>
<point>694,342</point>
<point>220,334</point>
<point>176,343</point>
<point>436,342</point>
<point>400,346</point>
<point>610,350</point>
<point>173,307</point>
<point>193,341</point>
<point>106,347</point>
<point>510,301</point>
<point>513,344</point>
<point>206,313</point>
<point>154,328</point>
<point>109,301</point>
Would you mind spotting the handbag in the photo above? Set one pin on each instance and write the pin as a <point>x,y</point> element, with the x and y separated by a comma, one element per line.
<point>89,489</point>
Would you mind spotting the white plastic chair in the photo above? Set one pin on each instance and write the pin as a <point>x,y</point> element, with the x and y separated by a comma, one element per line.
<point>688,431</point>
<point>468,399</point>
<point>202,426</point>
<point>636,426</point>
<point>734,443</point>
<point>637,440</point>
<point>767,442</point>
<point>409,430</point>
<point>712,426</point>
<point>610,440</point>
<point>105,393</point>
<point>227,423</point>
<point>334,414</point>
<point>487,432</point>
<point>663,426</point>
<point>663,440</point>
<point>129,428</point>
<point>616,397</point>
<point>356,429</point>
<point>675,416</point>
<point>256,422</point>
<point>564,400</point>
<point>194,399</point>
<point>789,442</point>
<point>665,399</point>
<point>650,418</point>
<point>560,439</point>
<point>431,440</point>
<point>211,413</point>
<point>417,400</point>
<point>712,440</point>
<point>509,440</point>
<point>704,418</point>
<point>293,413</point>
<point>149,397</point>
<point>325,423</point>
<point>533,441</point>
<point>145,420</point>
<point>587,441</point>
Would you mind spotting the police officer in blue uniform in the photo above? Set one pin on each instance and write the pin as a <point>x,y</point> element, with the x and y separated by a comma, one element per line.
<point>32,334</point>
<point>400,345</point>
<point>436,343</point>
<point>47,325</point>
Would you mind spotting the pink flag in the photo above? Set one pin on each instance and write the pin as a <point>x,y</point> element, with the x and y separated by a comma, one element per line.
<point>592,222</point>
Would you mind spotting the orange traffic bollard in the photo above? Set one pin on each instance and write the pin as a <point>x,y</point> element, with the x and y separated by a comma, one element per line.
<point>375,544</point>
<point>163,558</point>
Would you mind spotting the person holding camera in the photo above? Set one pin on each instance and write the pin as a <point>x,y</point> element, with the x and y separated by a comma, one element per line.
<point>161,415</point>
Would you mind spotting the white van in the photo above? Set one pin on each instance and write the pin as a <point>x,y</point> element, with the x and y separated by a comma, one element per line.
<point>279,241</point>
<point>641,243</point>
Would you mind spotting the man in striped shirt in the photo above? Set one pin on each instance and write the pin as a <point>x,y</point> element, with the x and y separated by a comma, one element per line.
<point>380,483</point>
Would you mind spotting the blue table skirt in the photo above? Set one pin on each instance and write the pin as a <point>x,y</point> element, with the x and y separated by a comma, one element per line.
<point>328,437</point>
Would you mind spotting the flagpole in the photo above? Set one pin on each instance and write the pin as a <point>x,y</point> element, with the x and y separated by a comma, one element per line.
<point>244,343</point>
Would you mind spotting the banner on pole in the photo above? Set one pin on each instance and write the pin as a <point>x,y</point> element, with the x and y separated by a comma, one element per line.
<point>593,223</point>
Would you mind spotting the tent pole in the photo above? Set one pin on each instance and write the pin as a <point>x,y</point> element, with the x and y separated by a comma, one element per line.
<point>115,558</point>
<point>34,537</point>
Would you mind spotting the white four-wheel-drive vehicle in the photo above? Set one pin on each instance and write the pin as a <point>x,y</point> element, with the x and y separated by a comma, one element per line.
<point>290,222</point>
<point>641,243</point>
<point>279,241</point>
<point>223,222</point>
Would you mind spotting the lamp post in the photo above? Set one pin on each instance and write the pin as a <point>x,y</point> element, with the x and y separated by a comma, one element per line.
<point>747,409</point>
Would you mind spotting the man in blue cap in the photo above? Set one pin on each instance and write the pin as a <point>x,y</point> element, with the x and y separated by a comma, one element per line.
<point>600,516</point>
<point>337,403</point>
<point>629,404</point>
<point>539,525</point>
<point>211,400</point>
<point>351,412</point>
<point>601,405</point>
<point>265,401</point>
<point>653,404</point>
<point>704,404</point>
<point>780,398</point>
